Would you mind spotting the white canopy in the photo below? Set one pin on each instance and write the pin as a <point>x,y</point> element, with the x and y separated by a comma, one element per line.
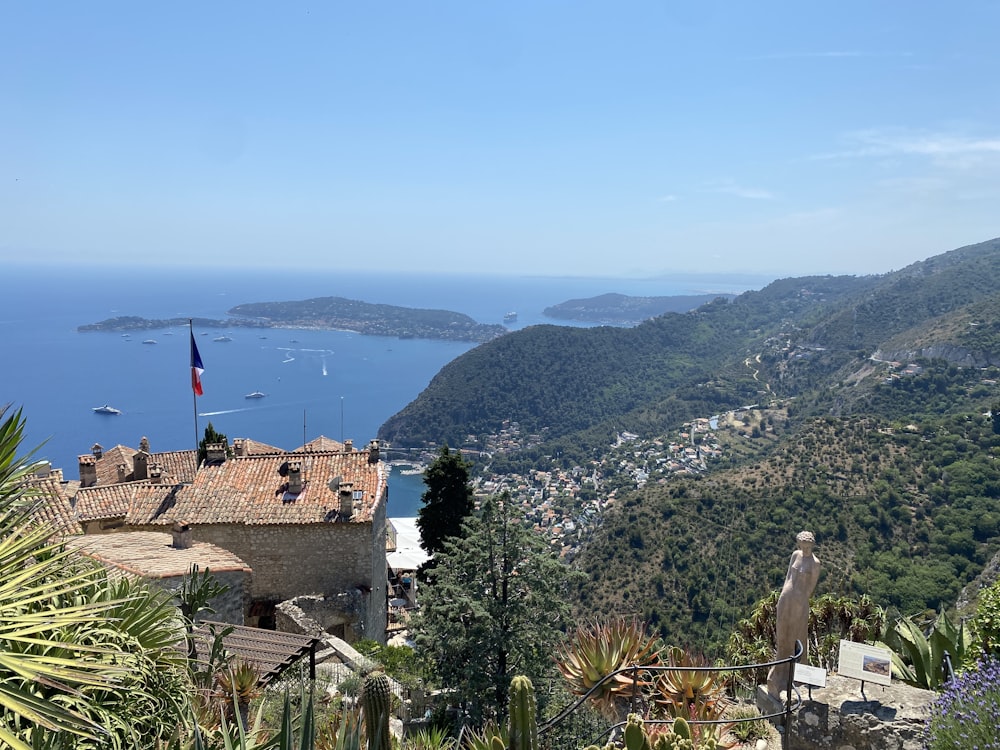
<point>409,555</point>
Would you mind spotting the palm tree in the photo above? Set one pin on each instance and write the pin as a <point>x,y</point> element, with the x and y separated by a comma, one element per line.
<point>82,657</point>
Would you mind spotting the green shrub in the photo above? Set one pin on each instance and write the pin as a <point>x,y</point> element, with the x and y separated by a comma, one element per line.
<point>747,724</point>
<point>987,622</point>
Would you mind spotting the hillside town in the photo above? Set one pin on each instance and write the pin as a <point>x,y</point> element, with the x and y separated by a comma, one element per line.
<point>565,504</point>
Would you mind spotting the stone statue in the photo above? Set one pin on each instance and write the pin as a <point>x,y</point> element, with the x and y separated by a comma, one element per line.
<point>793,610</point>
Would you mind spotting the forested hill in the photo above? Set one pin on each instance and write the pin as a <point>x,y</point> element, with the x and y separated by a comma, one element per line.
<point>561,380</point>
<point>620,309</point>
<point>799,335</point>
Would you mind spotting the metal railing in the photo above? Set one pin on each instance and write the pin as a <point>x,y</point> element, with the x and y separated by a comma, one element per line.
<point>634,671</point>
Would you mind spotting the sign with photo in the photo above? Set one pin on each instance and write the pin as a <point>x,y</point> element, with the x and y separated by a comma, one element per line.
<point>864,662</point>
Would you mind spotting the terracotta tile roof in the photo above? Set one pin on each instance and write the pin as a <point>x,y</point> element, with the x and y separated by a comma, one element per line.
<point>250,490</point>
<point>319,445</point>
<point>177,466</point>
<point>108,463</point>
<point>151,554</point>
<point>136,502</point>
<point>253,447</point>
<point>52,504</point>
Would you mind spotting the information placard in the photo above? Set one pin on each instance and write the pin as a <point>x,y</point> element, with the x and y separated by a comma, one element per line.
<point>864,662</point>
<point>807,675</point>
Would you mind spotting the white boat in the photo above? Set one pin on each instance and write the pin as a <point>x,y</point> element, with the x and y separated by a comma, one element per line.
<point>255,394</point>
<point>106,410</point>
<point>149,341</point>
<point>222,338</point>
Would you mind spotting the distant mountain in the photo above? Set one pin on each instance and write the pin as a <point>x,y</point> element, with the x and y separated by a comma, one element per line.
<point>621,309</point>
<point>563,380</point>
<point>806,331</point>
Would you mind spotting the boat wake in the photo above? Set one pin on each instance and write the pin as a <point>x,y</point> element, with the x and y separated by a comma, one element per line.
<point>224,411</point>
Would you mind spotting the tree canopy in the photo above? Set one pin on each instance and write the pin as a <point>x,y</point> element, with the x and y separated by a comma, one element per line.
<point>494,606</point>
<point>447,501</point>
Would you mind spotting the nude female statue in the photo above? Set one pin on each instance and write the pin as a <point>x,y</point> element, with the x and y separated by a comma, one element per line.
<point>793,610</point>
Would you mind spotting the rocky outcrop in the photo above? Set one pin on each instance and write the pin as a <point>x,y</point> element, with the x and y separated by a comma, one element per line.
<point>842,717</point>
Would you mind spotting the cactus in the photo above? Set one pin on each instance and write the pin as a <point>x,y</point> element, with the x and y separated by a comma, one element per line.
<point>682,729</point>
<point>635,735</point>
<point>523,723</point>
<point>375,701</point>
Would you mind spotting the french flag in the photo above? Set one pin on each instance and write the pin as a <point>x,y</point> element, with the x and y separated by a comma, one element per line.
<point>197,368</point>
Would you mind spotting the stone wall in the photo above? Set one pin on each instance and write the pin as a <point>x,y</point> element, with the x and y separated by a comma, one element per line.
<point>229,607</point>
<point>295,560</point>
<point>839,717</point>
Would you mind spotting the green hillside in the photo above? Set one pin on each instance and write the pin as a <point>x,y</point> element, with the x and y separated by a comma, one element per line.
<point>868,421</point>
<point>563,380</point>
<point>906,513</point>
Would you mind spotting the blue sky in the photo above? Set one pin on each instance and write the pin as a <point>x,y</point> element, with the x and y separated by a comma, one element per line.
<point>613,139</point>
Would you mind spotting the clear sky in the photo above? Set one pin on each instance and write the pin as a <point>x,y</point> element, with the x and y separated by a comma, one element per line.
<point>613,138</point>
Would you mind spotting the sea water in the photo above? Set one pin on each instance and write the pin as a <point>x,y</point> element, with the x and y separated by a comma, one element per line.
<point>334,383</point>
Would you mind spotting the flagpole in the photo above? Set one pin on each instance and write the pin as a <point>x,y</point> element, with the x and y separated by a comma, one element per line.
<point>194,395</point>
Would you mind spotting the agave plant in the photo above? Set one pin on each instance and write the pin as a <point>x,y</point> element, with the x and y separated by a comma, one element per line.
<point>689,693</point>
<point>918,659</point>
<point>430,738</point>
<point>596,652</point>
<point>345,732</point>
<point>237,686</point>
<point>490,737</point>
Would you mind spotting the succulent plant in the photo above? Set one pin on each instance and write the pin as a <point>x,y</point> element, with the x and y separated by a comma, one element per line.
<point>376,696</point>
<point>523,721</point>
<point>597,650</point>
<point>689,693</point>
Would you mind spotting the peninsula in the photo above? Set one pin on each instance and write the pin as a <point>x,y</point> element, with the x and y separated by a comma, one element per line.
<point>620,309</point>
<point>327,313</point>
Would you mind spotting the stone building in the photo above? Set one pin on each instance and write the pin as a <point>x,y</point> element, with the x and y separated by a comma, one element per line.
<point>309,522</point>
<point>165,559</point>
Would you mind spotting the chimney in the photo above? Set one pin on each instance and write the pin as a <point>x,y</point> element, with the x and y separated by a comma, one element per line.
<point>122,472</point>
<point>155,474</point>
<point>294,477</point>
<point>348,446</point>
<point>97,451</point>
<point>140,465</point>
<point>215,453</point>
<point>88,470</point>
<point>346,500</point>
<point>239,447</point>
<point>144,444</point>
<point>373,452</point>
<point>181,532</point>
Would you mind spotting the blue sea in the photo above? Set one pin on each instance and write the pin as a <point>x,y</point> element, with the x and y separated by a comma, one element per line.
<point>333,383</point>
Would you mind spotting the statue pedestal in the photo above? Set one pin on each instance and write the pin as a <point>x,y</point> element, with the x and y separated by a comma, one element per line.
<point>768,704</point>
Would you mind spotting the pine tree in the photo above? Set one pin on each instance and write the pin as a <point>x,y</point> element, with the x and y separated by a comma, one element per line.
<point>447,501</point>
<point>211,437</point>
<point>494,607</point>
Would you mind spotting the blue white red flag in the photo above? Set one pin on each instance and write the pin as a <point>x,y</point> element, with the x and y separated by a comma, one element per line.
<point>197,368</point>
